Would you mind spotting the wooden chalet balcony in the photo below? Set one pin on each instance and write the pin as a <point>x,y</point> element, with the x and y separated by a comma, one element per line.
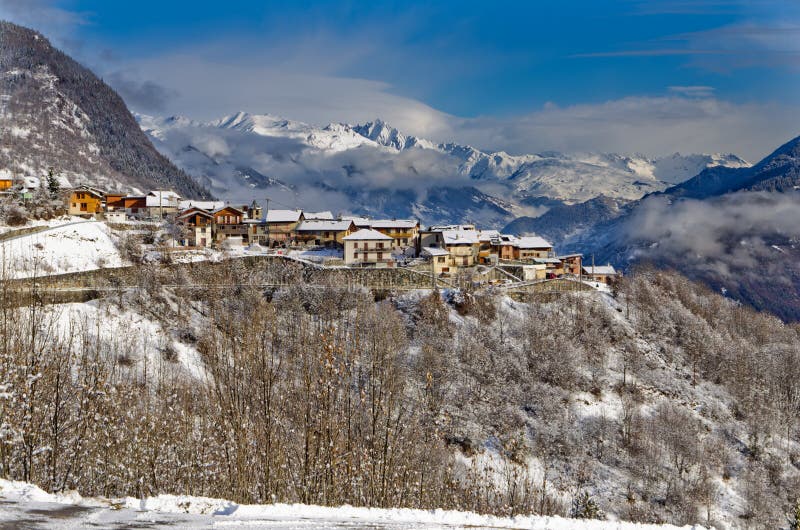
<point>400,235</point>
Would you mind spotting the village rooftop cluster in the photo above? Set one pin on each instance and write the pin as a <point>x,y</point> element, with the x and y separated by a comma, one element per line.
<point>363,242</point>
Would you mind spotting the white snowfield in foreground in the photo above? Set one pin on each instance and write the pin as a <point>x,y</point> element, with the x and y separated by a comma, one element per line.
<point>30,507</point>
<point>73,247</point>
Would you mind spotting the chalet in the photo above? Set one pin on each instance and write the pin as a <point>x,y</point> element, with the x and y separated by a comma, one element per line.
<point>6,181</point>
<point>228,223</point>
<point>463,246</point>
<point>115,201</point>
<point>572,263</point>
<point>277,229</point>
<point>86,201</point>
<point>486,252</point>
<point>432,237</point>
<point>135,205</point>
<point>530,247</point>
<point>404,232</point>
<point>323,232</point>
<point>439,258</point>
<point>553,267</point>
<point>504,246</point>
<point>601,273</point>
<point>197,225</point>
<point>368,247</point>
<point>160,203</point>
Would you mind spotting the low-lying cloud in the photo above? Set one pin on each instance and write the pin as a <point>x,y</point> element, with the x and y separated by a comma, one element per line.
<point>734,236</point>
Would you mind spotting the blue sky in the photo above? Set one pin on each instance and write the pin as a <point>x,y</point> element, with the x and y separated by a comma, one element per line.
<point>632,75</point>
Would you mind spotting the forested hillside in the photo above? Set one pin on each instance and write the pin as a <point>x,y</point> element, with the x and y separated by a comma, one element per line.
<point>57,113</point>
<point>662,403</point>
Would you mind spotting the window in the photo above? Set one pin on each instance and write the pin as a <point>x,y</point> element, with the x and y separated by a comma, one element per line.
<point>83,207</point>
<point>380,245</point>
<point>440,259</point>
<point>380,256</point>
<point>355,244</point>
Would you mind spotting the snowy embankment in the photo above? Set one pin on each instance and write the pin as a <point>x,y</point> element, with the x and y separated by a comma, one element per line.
<point>73,247</point>
<point>28,505</point>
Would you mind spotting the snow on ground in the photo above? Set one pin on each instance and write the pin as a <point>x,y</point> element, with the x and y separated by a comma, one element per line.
<point>142,340</point>
<point>86,245</point>
<point>42,222</point>
<point>27,506</point>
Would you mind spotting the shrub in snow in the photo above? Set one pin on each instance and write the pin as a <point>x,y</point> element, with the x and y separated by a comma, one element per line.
<point>584,507</point>
<point>15,216</point>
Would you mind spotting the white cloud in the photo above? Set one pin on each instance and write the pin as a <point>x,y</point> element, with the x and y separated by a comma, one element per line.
<point>656,126</point>
<point>210,88</point>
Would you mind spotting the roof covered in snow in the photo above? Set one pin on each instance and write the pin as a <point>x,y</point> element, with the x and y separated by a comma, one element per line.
<point>328,216</point>
<point>283,216</point>
<point>529,242</point>
<point>461,237</point>
<point>166,194</point>
<point>358,221</point>
<point>205,205</point>
<point>366,234</point>
<point>600,269</point>
<point>323,225</point>
<point>435,251</point>
<point>394,223</point>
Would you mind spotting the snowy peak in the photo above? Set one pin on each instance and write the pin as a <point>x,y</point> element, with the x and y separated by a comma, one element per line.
<point>384,134</point>
<point>678,168</point>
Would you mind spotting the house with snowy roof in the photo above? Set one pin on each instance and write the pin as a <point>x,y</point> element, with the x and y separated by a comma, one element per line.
<point>6,180</point>
<point>439,259</point>
<point>601,273</point>
<point>277,228</point>
<point>85,201</point>
<point>229,225</point>
<point>197,225</point>
<point>368,247</point>
<point>323,232</point>
<point>404,232</point>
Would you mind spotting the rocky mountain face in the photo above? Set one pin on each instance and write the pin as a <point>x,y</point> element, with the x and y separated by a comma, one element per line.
<point>737,230</point>
<point>338,165</point>
<point>57,113</point>
<point>563,221</point>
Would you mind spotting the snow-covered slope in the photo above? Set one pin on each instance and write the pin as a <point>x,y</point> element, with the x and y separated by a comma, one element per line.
<point>72,247</point>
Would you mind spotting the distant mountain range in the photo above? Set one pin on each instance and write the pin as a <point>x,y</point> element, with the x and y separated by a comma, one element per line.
<point>737,230</point>
<point>57,113</point>
<point>354,167</point>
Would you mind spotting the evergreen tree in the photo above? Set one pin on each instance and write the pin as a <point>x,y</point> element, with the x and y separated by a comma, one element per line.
<point>52,184</point>
<point>584,507</point>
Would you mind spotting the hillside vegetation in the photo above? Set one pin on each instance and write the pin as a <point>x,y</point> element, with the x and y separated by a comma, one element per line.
<point>663,403</point>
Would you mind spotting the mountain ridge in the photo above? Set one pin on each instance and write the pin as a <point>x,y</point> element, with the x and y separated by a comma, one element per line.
<point>59,114</point>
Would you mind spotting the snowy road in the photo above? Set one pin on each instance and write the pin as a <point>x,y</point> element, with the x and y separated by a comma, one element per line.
<point>26,507</point>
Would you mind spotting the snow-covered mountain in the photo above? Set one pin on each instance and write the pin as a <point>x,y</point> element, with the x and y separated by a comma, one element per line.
<point>243,155</point>
<point>56,113</point>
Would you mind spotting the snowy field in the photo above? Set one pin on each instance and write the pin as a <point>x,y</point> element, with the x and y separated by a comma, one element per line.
<point>79,246</point>
<point>26,506</point>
